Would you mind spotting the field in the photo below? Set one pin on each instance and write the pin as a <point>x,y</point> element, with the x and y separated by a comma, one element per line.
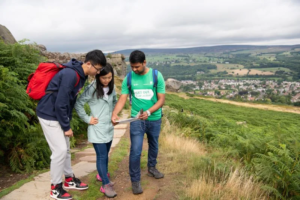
<point>270,57</point>
<point>259,51</point>
<point>275,69</point>
<point>227,67</point>
<point>240,72</point>
<point>259,72</point>
<point>237,69</point>
<point>265,143</point>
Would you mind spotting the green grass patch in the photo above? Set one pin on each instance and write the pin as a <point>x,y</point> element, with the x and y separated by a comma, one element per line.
<point>274,69</point>
<point>144,159</point>
<point>118,154</point>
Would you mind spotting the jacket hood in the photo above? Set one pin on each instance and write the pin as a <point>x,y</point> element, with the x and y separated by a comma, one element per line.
<point>75,65</point>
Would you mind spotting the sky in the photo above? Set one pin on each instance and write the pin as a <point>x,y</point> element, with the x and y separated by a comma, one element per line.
<point>80,26</point>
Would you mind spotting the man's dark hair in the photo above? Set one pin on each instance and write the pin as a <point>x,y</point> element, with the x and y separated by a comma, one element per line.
<point>137,57</point>
<point>96,57</point>
<point>99,87</point>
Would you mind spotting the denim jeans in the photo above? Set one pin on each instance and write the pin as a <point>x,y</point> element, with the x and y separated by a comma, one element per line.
<point>102,150</point>
<point>137,131</point>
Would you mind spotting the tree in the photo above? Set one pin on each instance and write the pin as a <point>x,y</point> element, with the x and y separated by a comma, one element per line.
<point>217,92</point>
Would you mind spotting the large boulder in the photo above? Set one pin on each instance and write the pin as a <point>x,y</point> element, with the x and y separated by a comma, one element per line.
<point>6,35</point>
<point>117,61</point>
<point>62,57</point>
<point>173,85</point>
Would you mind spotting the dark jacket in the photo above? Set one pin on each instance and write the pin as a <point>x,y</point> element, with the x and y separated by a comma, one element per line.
<point>59,104</point>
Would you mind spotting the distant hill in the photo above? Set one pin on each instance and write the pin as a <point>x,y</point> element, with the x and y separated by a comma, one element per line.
<point>212,49</point>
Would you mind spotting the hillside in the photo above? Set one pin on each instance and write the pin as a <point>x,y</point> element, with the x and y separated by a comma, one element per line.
<point>280,108</point>
<point>212,49</point>
<point>264,143</point>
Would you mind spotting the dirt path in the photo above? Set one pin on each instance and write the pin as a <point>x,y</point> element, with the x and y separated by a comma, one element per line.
<point>158,189</point>
<point>290,109</point>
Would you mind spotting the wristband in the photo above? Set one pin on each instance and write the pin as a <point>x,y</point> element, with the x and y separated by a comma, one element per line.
<point>148,113</point>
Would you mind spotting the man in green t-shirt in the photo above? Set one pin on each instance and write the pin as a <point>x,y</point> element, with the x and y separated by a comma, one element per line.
<point>150,99</point>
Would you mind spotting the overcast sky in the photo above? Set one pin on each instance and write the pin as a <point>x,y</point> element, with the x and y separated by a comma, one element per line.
<point>111,25</point>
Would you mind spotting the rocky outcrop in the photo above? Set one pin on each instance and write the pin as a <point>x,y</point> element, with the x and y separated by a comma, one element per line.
<point>118,63</point>
<point>6,35</point>
<point>116,60</point>
<point>59,57</point>
<point>173,85</point>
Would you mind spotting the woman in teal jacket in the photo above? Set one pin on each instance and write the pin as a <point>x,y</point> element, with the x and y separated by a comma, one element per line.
<point>101,97</point>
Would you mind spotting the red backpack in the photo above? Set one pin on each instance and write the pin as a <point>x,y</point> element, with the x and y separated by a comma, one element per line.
<point>39,80</point>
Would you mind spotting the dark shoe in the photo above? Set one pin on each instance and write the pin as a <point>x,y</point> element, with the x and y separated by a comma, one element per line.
<point>137,188</point>
<point>108,190</point>
<point>153,172</point>
<point>57,192</point>
<point>74,183</point>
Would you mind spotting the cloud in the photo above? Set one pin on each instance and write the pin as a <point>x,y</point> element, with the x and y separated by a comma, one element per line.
<point>80,26</point>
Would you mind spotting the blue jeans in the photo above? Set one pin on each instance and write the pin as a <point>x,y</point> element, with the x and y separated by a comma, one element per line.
<point>102,150</point>
<point>137,131</point>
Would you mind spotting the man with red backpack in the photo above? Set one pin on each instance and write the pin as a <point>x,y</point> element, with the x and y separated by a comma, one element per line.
<point>54,112</point>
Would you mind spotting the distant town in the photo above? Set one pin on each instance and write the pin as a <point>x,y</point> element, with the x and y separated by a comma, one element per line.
<point>249,90</point>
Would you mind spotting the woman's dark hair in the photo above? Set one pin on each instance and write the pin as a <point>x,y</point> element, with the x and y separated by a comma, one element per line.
<point>99,87</point>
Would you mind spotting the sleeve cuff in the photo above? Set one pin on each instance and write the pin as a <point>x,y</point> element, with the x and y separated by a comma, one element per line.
<point>66,128</point>
<point>87,119</point>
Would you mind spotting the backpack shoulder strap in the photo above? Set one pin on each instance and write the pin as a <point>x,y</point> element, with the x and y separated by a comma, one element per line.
<point>129,76</point>
<point>78,79</point>
<point>154,75</point>
<point>155,81</point>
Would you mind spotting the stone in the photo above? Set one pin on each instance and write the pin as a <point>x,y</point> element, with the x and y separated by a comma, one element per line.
<point>173,85</point>
<point>89,150</point>
<point>6,35</point>
<point>81,153</point>
<point>88,158</point>
<point>121,126</point>
<point>117,61</point>
<point>74,150</point>
<point>115,142</point>
<point>119,133</point>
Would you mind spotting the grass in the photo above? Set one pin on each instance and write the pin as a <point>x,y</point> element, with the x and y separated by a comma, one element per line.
<point>236,186</point>
<point>116,157</point>
<point>203,173</point>
<point>274,69</point>
<point>267,146</point>
<point>266,120</point>
<point>270,57</point>
<point>227,67</point>
<point>144,159</point>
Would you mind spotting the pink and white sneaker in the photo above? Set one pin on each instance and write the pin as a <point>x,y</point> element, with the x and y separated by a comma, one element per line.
<point>100,179</point>
<point>108,190</point>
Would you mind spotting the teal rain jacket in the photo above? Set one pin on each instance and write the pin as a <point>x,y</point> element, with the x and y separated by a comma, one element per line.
<point>100,108</point>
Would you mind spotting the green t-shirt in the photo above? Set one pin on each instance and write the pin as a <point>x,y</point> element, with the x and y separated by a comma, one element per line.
<point>143,93</point>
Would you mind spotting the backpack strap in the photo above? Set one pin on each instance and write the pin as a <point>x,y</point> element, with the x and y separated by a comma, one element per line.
<point>129,75</point>
<point>154,75</point>
<point>155,81</point>
<point>78,79</point>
